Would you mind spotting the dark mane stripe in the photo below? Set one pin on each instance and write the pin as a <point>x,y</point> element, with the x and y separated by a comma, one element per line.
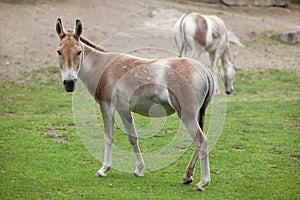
<point>91,44</point>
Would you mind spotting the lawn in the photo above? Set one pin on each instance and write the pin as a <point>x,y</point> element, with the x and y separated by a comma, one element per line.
<point>257,155</point>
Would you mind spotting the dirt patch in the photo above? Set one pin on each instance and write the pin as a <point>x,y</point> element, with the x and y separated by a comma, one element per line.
<point>8,114</point>
<point>295,157</point>
<point>55,136</point>
<point>239,148</point>
<point>29,41</point>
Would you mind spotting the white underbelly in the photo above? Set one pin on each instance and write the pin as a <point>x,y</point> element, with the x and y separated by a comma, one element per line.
<point>153,105</point>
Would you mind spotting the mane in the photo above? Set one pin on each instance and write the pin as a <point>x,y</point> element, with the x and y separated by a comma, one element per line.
<point>91,44</point>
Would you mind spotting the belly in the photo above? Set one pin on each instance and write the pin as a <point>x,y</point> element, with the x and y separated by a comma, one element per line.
<point>153,104</point>
<point>151,109</point>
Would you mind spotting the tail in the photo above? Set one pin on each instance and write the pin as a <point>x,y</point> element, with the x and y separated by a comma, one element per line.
<point>180,37</point>
<point>208,98</point>
<point>91,44</point>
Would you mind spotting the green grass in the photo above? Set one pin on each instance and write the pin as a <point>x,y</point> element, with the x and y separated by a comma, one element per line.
<point>296,1</point>
<point>256,157</point>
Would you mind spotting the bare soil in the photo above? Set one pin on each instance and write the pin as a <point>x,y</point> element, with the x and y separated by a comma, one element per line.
<point>29,41</point>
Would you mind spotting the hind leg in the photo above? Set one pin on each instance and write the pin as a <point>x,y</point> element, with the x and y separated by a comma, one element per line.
<point>214,59</point>
<point>197,50</point>
<point>201,150</point>
<point>204,165</point>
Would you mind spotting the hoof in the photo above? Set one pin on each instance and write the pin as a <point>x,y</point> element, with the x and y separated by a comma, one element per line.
<point>100,174</point>
<point>138,174</point>
<point>198,188</point>
<point>186,182</point>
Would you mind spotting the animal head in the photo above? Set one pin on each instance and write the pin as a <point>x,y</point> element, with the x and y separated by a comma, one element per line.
<point>69,54</point>
<point>228,73</point>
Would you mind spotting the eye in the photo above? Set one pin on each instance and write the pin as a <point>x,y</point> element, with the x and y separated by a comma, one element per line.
<point>59,52</point>
<point>79,52</point>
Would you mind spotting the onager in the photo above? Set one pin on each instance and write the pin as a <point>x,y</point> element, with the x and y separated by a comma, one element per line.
<point>207,33</point>
<point>124,83</point>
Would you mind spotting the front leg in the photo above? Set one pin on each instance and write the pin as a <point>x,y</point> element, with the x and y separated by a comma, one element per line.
<point>128,122</point>
<point>108,119</point>
<point>107,160</point>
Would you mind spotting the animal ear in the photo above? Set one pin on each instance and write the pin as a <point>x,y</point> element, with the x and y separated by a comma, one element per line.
<point>59,28</point>
<point>78,29</point>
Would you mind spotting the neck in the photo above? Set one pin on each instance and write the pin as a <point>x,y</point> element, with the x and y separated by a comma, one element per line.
<point>85,65</point>
<point>91,44</point>
<point>226,58</point>
<point>93,65</point>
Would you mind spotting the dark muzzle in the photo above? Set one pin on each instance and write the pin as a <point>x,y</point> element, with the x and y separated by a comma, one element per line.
<point>70,85</point>
<point>228,91</point>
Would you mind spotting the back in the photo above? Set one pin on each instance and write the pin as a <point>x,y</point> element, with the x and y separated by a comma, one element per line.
<point>200,31</point>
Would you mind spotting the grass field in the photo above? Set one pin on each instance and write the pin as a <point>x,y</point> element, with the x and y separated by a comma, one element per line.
<point>256,157</point>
